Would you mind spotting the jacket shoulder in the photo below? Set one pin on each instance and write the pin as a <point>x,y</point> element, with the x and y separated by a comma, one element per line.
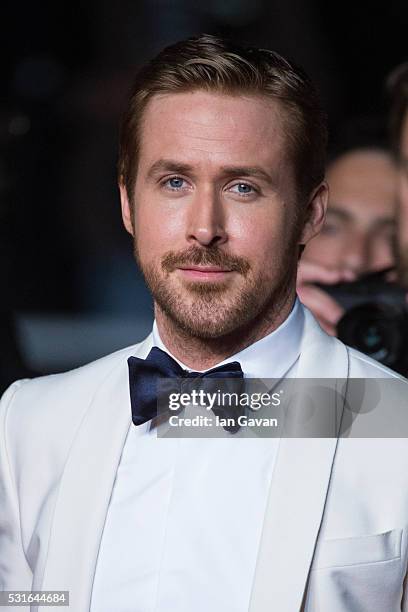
<point>362,366</point>
<point>58,400</point>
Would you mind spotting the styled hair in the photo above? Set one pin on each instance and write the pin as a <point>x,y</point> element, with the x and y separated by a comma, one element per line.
<point>215,65</point>
<point>397,88</point>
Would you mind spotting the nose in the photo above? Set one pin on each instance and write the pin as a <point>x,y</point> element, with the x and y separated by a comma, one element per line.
<point>356,253</point>
<point>206,219</point>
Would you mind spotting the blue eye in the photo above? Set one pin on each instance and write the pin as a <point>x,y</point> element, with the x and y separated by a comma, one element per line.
<point>175,182</point>
<point>243,189</point>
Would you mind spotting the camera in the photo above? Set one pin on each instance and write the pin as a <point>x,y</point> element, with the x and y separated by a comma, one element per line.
<point>376,318</point>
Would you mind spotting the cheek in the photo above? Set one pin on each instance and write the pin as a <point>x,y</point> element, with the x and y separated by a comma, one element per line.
<point>382,250</point>
<point>271,245</point>
<point>259,230</point>
<point>264,249</point>
<point>323,247</point>
<point>402,211</point>
<point>403,192</point>
<point>157,230</point>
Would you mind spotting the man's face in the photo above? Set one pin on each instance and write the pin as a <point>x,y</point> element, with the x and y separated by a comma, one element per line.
<point>214,215</point>
<point>360,224</point>
<point>403,204</point>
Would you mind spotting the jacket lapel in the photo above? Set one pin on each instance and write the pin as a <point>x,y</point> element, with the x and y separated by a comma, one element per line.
<point>294,510</point>
<point>298,491</point>
<point>86,487</point>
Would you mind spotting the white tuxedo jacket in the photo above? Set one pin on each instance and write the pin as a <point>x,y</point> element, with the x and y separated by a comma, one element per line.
<point>335,532</point>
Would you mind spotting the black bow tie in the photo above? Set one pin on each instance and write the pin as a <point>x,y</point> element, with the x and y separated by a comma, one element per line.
<point>144,375</point>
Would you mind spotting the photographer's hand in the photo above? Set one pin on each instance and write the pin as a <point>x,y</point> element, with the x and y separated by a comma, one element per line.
<point>325,308</point>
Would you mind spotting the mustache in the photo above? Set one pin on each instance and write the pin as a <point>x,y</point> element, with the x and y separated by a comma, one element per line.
<point>204,257</point>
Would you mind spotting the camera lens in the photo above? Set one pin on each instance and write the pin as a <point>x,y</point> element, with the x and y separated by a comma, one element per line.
<point>378,330</point>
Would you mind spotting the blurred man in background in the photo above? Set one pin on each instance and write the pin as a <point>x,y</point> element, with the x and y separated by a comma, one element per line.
<point>398,89</point>
<point>358,235</point>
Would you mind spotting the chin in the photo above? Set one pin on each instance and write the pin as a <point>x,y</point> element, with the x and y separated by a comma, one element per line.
<point>206,329</point>
<point>208,320</point>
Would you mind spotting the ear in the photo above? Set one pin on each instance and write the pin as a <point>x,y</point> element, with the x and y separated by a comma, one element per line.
<point>126,209</point>
<point>315,213</point>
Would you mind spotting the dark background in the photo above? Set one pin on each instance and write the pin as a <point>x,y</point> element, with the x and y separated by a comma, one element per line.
<point>65,260</point>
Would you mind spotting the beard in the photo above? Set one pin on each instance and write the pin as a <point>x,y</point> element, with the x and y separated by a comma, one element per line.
<point>208,310</point>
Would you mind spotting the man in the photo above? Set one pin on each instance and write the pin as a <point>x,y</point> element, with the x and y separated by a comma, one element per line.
<point>398,90</point>
<point>358,236</point>
<point>221,177</point>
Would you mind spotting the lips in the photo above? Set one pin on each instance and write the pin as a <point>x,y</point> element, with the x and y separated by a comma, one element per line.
<point>204,272</point>
<point>204,268</point>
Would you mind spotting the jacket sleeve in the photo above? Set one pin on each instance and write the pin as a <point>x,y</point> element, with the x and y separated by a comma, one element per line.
<point>15,573</point>
<point>404,600</point>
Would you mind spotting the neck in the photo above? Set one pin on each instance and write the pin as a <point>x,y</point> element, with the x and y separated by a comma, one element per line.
<point>203,353</point>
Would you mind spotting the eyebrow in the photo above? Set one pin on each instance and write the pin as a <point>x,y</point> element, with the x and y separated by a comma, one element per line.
<point>168,165</point>
<point>347,216</point>
<point>254,171</point>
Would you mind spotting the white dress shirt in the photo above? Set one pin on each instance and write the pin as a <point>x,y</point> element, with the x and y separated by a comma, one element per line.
<point>185,517</point>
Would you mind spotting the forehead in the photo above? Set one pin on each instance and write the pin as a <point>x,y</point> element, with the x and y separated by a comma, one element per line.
<point>363,181</point>
<point>212,128</point>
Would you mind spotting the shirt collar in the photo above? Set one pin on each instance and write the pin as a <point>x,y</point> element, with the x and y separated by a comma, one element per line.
<point>269,357</point>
